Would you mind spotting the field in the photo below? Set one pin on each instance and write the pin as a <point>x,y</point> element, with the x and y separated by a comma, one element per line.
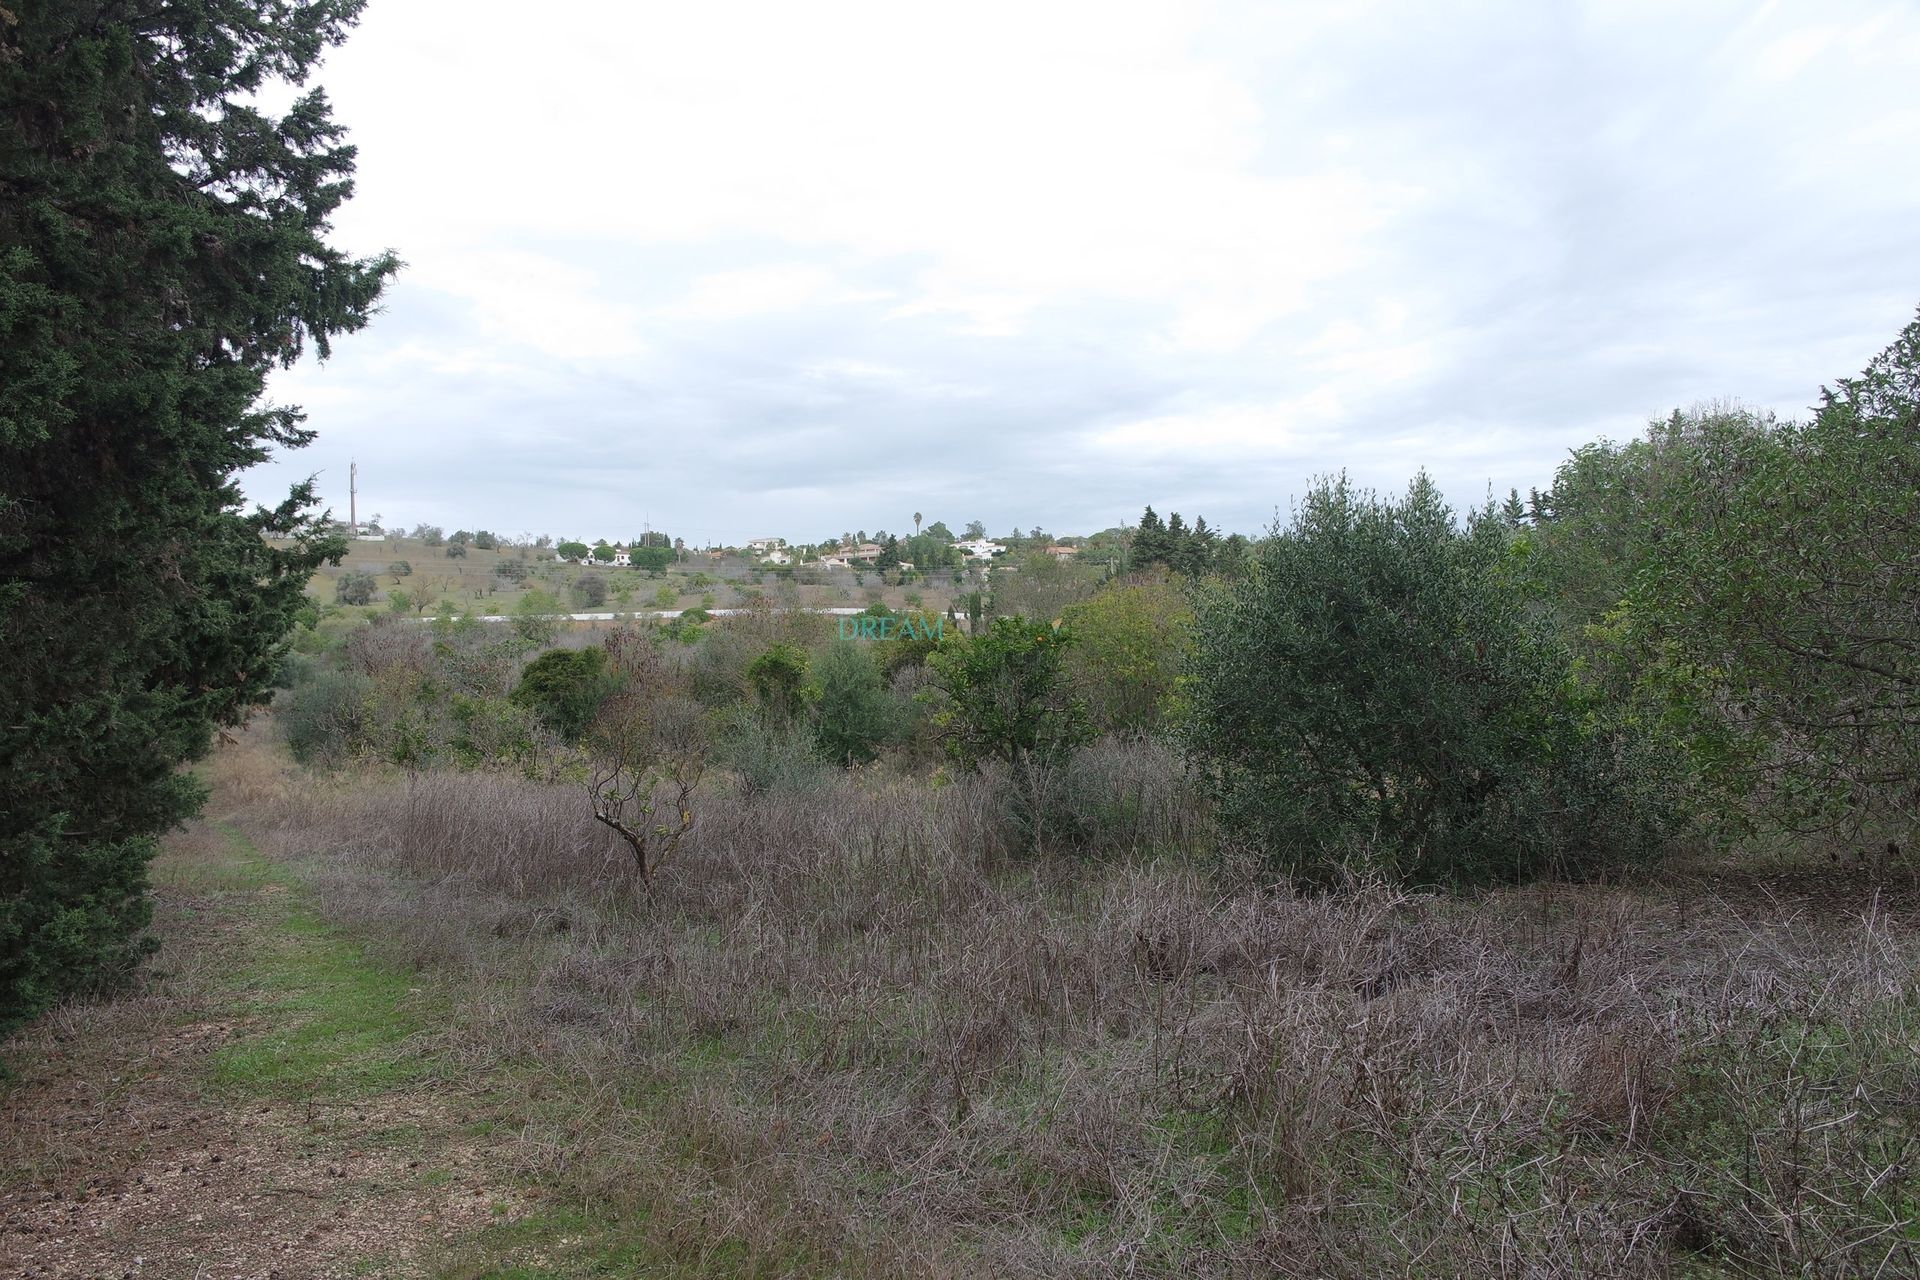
<point>426,1025</point>
<point>472,584</point>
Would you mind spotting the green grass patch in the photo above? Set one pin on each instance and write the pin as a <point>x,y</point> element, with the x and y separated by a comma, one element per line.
<point>331,1022</point>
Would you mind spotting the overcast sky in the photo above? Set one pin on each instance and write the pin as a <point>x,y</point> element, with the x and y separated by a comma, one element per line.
<point>752,268</point>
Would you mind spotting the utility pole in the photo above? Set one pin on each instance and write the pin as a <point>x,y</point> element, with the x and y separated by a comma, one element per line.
<point>353,497</point>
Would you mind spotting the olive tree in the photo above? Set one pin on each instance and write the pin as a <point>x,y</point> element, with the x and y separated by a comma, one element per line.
<point>1378,696</point>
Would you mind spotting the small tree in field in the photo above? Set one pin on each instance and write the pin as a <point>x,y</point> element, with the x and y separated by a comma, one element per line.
<point>1008,699</point>
<point>647,755</point>
<point>589,591</point>
<point>354,587</point>
<point>854,713</point>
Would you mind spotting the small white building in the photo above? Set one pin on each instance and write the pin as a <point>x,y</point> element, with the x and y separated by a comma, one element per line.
<point>766,547</point>
<point>979,548</point>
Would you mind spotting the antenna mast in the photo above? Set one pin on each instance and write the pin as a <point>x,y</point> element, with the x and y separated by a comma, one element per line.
<point>353,496</point>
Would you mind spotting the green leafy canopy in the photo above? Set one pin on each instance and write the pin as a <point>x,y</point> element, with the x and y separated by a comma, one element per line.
<point>165,247</point>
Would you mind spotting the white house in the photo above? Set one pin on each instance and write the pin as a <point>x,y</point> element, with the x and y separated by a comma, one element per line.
<point>979,548</point>
<point>766,547</point>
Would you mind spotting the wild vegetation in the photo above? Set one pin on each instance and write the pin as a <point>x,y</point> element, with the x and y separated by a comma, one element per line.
<point>1407,893</point>
<point>1525,890</point>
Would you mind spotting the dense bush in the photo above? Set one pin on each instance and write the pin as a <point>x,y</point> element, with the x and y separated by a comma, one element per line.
<point>323,718</point>
<point>354,587</point>
<point>854,715</point>
<point>589,590</point>
<point>565,687</point>
<point>1130,638</point>
<point>1007,700</point>
<point>779,680</point>
<point>1378,696</point>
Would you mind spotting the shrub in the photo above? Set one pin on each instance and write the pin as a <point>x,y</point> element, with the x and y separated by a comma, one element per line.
<point>779,680</point>
<point>354,587</point>
<point>492,731</point>
<point>511,570</point>
<point>565,687</point>
<point>324,717</point>
<point>1008,700</point>
<point>771,757</point>
<point>1378,695</point>
<point>854,715</point>
<point>533,618</point>
<point>589,590</point>
<point>456,550</point>
<point>1130,639</point>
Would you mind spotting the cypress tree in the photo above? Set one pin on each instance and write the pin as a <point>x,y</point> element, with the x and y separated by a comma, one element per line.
<point>162,247</point>
<point>1150,545</point>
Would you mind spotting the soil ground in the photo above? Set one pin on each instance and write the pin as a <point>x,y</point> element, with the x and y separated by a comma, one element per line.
<point>271,1104</point>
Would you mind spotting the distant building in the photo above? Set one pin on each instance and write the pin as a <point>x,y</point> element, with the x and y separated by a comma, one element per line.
<point>766,546</point>
<point>979,548</point>
<point>1059,552</point>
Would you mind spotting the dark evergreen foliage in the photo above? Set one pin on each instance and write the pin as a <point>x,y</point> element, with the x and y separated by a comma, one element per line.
<point>1192,551</point>
<point>1379,696</point>
<point>162,246</point>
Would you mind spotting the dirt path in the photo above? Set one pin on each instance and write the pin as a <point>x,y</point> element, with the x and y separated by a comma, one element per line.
<point>271,1104</point>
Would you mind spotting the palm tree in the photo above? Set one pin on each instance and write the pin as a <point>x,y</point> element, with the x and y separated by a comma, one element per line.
<point>916,524</point>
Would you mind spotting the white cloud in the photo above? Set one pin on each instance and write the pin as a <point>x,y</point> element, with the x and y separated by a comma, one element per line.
<point>1028,246</point>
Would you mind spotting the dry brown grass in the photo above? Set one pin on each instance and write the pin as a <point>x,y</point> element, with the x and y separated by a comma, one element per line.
<point>853,1033</point>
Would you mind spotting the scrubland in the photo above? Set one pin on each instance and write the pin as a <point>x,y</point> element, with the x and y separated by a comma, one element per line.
<point>856,1032</point>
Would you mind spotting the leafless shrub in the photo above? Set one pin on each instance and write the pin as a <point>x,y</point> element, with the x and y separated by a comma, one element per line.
<point>386,646</point>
